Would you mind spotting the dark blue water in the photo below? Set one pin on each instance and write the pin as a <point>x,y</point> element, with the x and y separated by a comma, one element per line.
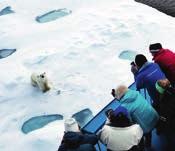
<point>128,55</point>
<point>6,10</point>
<point>38,122</point>
<point>6,52</point>
<point>53,15</point>
<point>83,116</point>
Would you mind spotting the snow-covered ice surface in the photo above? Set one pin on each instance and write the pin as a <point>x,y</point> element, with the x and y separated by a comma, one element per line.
<point>79,52</point>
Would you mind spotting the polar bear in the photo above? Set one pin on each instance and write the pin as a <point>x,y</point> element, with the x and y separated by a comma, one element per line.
<point>41,81</point>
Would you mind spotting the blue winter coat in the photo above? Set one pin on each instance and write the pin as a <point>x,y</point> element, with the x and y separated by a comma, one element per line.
<point>141,112</point>
<point>146,77</point>
<point>75,141</point>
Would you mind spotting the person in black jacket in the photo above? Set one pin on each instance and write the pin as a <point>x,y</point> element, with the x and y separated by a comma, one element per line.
<point>75,140</point>
<point>166,123</point>
<point>167,104</point>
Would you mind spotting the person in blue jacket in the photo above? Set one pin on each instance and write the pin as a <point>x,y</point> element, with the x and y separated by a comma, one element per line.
<point>75,140</point>
<point>146,75</point>
<point>140,110</point>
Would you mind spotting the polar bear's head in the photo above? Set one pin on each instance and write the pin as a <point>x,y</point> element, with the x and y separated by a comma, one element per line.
<point>42,81</point>
<point>42,76</point>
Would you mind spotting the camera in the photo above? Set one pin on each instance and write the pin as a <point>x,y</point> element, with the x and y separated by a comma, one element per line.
<point>132,63</point>
<point>107,112</point>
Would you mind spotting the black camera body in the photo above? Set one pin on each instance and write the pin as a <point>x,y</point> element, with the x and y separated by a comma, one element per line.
<point>132,63</point>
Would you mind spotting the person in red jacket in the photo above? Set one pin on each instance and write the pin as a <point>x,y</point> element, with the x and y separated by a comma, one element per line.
<point>165,59</point>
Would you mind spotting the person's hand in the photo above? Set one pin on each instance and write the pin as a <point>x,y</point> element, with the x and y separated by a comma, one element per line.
<point>134,69</point>
<point>113,92</point>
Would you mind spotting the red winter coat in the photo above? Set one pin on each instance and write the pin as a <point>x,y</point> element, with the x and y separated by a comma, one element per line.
<point>166,60</point>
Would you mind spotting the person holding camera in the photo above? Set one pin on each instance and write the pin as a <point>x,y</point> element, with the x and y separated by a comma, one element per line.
<point>140,111</point>
<point>146,74</point>
<point>119,133</point>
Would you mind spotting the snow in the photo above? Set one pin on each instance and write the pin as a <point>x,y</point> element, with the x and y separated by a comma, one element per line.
<point>79,52</point>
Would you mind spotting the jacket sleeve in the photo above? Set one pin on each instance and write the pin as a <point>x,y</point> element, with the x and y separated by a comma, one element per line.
<point>89,139</point>
<point>62,147</point>
<point>139,132</point>
<point>134,70</point>
<point>104,136</point>
<point>139,82</point>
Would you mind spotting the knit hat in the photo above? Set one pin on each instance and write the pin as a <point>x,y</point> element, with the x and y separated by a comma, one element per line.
<point>122,110</point>
<point>120,91</point>
<point>120,117</point>
<point>140,60</point>
<point>71,125</point>
<point>155,47</point>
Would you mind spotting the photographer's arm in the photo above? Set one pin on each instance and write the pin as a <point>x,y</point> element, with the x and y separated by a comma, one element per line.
<point>134,69</point>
